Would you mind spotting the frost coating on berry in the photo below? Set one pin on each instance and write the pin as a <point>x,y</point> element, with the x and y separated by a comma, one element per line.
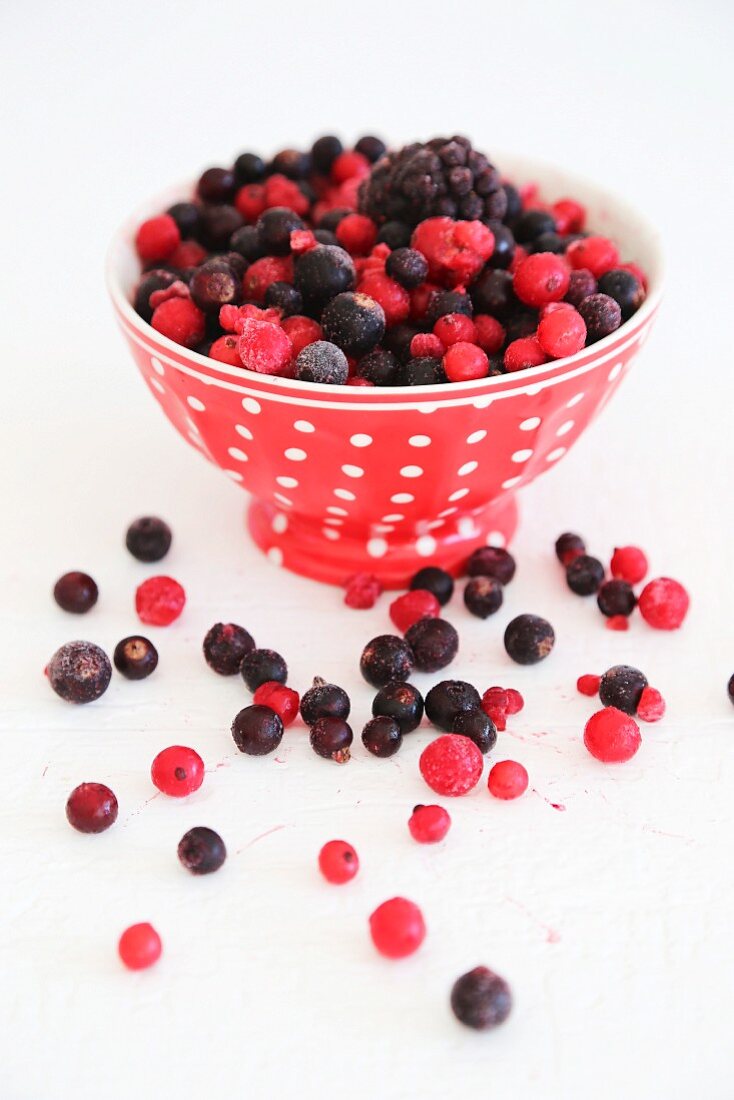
<point>451,765</point>
<point>651,706</point>
<point>529,639</point>
<point>434,643</point>
<point>664,603</point>
<point>79,672</point>
<point>386,658</point>
<point>159,601</point>
<point>621,686</point>
<point>449,698</point>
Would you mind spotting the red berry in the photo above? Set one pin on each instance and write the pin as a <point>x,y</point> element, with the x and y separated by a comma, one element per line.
<point>562,333</point>
<point>264,347</point>
<point>651,706</point>
<point>453,328</point>
<point>157,238</point>
<point>507,779</point>
<point>283,700</point>
<point>187,254</point>
<point>362,591</point>
<point>263,272</point>
<point>397,928</point>
<point>617,622</point>
<point>588,684</point>
<point>177,771</point>
<point>612,736</point>
<point>338,862</point>
<point>180,320</point>
<point>456,251</point>
<point>139,946</point>
<point>596,254</point>
<point>91,808</point>
<point>490,333</point>
<point>464,362</point>
<point>302,240</point>
<point>429,824</point>
<point>523,353</point>
<point>280,191</point>
<point>425,343</point>
<point>420,299</point>
<point>417,604</point>
<point>393,297</point>
<point>355,381</point>
<point>541,278</point>
<point>224,350</point>
<point>175,290</point>
<point>495,698</point>
<point>250,201</point>
<point>570,216</point>
<point>628,564</point>
<point>664,603</point>
<point>451,765</point>
<point>159,601</point>
<point>301,331</point>
<point>348,165</point>
<point>515,701</point>
<point>357,233</point>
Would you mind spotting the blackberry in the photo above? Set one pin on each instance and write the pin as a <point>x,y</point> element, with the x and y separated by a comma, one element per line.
<point>504,245</point>
<point>532,224</point>
<point>625,288</point>
<point>386,658</point>
<point>217,224</point>
<point>216,185</point>
<point>435,580</point>
<point>444,176</point>
<point>322,273</point>
<point>400,701</point>
<point>262,665</point>
<point>157,279</point>
<point>249,168</point>
<point>408,267</point>
<point>379,367</point>
<point>76,592</point>
<point>581,284</point>
<point>423,371</point>
<point>442,302</point>
<point>324,701</point>
<point>529,639</point>
<point>148,538</point>
<point>481,999</point>
<point>492,293</point>
<point>186,217</point>
<point>331,738</point>
<point>324,152</point>
<point>274,228</point>
<point>354,322</point>
<point>584,575</point>
<point>602,316</point>
<point>79,672</point>
<point>616,598</point>
<point>395,235</point>
<point>246,241</point>
<point>330,220</point>
<point>477,726</point>
<point>382,736</point>
<point>483,596</point>
<point>284,297</point>
<point>434,643</point>
<point>201,850</point>
<point>135,657</point>
<point>371,147</point>
<point>449,698</point>
<point>322,362</point>
<point>257,730</point>
<point>492,561</point>
<point>225,647</point>
<point>213,285</point>
<point>291,163</point>
<point>622,686</point>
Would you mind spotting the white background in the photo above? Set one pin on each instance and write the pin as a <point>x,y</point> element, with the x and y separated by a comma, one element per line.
<point>611,920</point>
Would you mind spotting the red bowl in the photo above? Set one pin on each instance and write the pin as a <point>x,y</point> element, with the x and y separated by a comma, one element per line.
<point>346,479</point>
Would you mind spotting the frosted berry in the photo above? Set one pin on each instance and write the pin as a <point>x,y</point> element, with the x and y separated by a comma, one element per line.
<point>322,362</point>
<point>481,999</point>
<point>354,322</point>
<point>568,547</point>
<point>492,561</point>
<point>382,736</point>
<point>616,598</point>
<point>397,928</point>
<point>135,657</point>
<point>515,701</point>
<point>412,607</point>
<point>584,575</point>
<point>379,367</point>
<point>434,644</point>
<point>249,168</point>
<point>529,639</point>
<point>434,580</point>
<point>448,306</point>
<point>186,217</point>
<point>621,686</point>
<point>507,780</point>
<point>651,706</point>
<point>429,824</point>
<point>612,736</point>
<point>596,254</point>
<point>225,647</point>
<point>357,233</point>
<point>159,601</point>
<point>338,862</point>
<point>386,658</point>
<point>217,224</point>
<point>540,279</point>
<point>285,298</point>
<point>400,701</point>
<point>464,362</point>
<point>483,596</point>
<point>91,808</point>
<point>157,238</point>
<point>625,288</point>
<point>283,700</point>
<point>456,251</point>
<point>322,273</point>
<point>264,347</point>
<point>451,765</point>
<point>490,335</point>
<point>224,350</point>
<point>201,850</point>
<point>139,946</point>
<point>79,672</point>
<point>601,315</point>
<point>425,371</point>
<point>262,665</point>
<point>562,333</point>
<point>496,705</point>
<point>324,700</point>
<point>629,563</point>
<point>177,771</point>
<point>664,603</point>
<point>588,684</point>
<point>407,267</point>
<point>449,698</point>
<point>257,730</point>
<point>523,353</point>
<point>477,726</point>
<point>274,228</point>
<point>331,738</point>
<point>180,320</point>
<point>362,591</point>
<point>581,284</point>
<point>455,328</point>
<point>76,592</point>
<point>148,538</point>
<point>214,285</point>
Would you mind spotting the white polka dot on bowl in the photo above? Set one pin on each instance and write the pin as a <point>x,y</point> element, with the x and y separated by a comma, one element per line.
<point>304,426</point>
<point>411,471</point>
<point>335,510</point>
<point>458,494</point>
<point>287,482</point>
<point>467,468</point>
<point>330,533</point>
<point>496,538</point>
<point>352,471</point>
<point>196,404</point>
<point>555,455</point>
<point>157,365</point>
<point>522,456</point>
<point>377,548</point>
<point>360,440</point>
<point>477,437</point>
<point>425,546</point>
<point>275,555</point>
<point>295,454</point>
<point>615,371</point>
<point>565,428</point>
<point>420,441</point>
<point>511,481</point>
<point>157,385</point>
<point>575,400</point>
<point>243,431</point>
<point>279,523</point>
<point>344,494</point>
<point>402,498</point>
<point>529,424</point>
<point>236,453</point>
<point>250,405</point>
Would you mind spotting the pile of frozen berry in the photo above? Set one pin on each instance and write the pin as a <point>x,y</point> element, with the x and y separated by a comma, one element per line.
<point>372,268</point>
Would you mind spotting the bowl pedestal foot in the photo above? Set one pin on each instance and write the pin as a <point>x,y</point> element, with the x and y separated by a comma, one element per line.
<point>331,553</point>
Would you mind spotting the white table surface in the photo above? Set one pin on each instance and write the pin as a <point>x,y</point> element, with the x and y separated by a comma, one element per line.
<point>612,920</point>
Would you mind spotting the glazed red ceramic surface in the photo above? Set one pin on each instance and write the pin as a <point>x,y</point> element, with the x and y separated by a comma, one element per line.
<point>346,479</point>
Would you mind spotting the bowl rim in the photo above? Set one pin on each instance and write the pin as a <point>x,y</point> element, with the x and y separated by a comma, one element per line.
<point>555,370</point>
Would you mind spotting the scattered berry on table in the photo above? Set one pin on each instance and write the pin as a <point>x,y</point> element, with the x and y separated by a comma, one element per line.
<point>201,850</point>
<point>507,779</point>
<point>148,538</point>
<point>664,603</point>
<point>338,862</point>
<point>362,591</point>
<point>429,824</point>
<point>529,639</point>
<point>612,736</point>
<point>449,698</point>
<point>386,658</point>
<point>651,706</point>
<point>492,561</point>
<point>483,596</point>
<point>261,666</point>
<point>397,928</point>
<point>481,999</point>
<point>496,705</point>
<point>225,647</point>
<point>621,686</point>
<point>257,730</point>
<point>324,700</point>
<point>91,808</point>
<point>400,701</point>
<point>584,575</point>
<point>629,563</point>
<point>434,580</point>
<point>412,607</point>
<point>515,701</point>
<point>159,601</point>
<point>76,592</point>
<point>322,362</point>
<point>616,598</point>
<point>730,688</point>
<point>283,700</point>
<point>139,946</point>
<point>568,547</point>
<point>451,765</point>
<point>588,684</point>
<point>382,736</point>
<point>478,726</point>
<point>434,644</point>
<point>617,622</point>
<point>135,657</point>
<point>177,771</point>
<point>331,738</point>
<point>79,672</point>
